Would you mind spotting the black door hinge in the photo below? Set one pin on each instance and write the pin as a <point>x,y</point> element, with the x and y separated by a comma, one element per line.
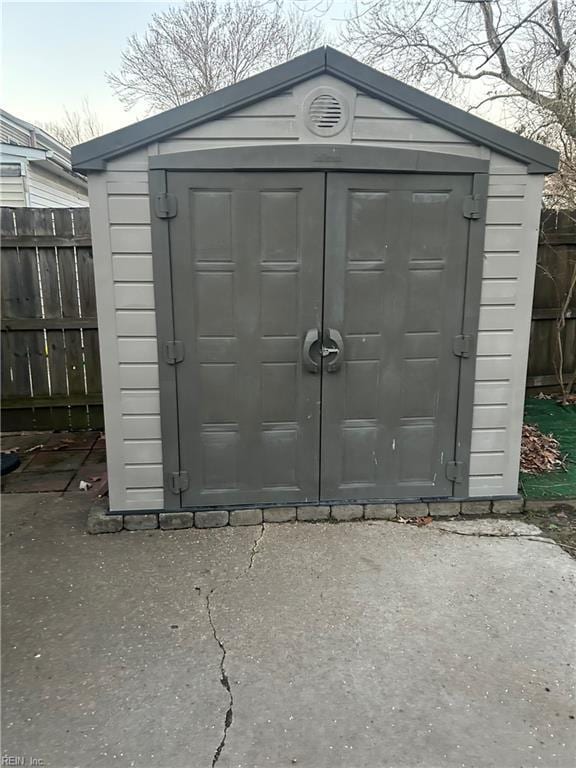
<point>173,352</point>
<point>166,205</point>
<point>455,471</point>
<point>472,207</point>
<point>462,345</point>
<point>178,481</point>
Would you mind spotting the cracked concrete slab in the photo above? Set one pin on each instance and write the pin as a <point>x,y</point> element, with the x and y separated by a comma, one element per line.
<point>392,646</point>
<point>357,645</point>
<point>484,527</point>
<point>109,656</point>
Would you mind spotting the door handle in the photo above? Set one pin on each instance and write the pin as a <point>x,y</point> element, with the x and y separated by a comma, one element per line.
<point>312,336</point>
<point>335,337</point>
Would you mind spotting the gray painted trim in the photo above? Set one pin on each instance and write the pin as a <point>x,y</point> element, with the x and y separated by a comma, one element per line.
<point>318,157</point>
<point>540,159</point>
<point>92,155</point>
<point>470,324</point>
<point>232,159</point>
<point>167,375</point>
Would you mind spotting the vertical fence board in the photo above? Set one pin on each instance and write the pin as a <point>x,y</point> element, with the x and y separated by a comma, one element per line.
<point>8,388</point>
<point>57,362</point>
<point>10,283</point>
<point>7,224</point>
<point>42,222</point>
<point>18,362</point>
<point>86,282</point>
<point>82,222</point>
<point>30,304</point>
<point>63,222</point>
<point>38,367</point>
<point>24,218</point>
<point>67,273</point>
<point>79,417</point>
<point>74,362</point>
<point>48,265</point>
<point>92,355</point>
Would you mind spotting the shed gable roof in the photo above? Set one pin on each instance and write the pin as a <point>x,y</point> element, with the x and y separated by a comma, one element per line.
<point>92,155</point>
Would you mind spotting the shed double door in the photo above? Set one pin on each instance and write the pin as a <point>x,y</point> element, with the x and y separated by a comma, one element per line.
<point>318,313</point>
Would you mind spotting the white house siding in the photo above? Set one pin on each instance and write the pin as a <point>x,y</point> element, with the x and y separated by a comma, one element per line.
<point>12,192</point>
<point>122,243</point>
<point>48,190</point>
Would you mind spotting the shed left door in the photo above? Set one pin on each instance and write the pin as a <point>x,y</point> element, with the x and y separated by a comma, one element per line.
<point>246,259</point>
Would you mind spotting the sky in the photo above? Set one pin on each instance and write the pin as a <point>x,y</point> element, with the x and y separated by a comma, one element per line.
<point>55,55</point>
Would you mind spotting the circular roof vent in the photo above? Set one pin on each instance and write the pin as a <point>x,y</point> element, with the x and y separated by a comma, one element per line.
<point>325,112</point>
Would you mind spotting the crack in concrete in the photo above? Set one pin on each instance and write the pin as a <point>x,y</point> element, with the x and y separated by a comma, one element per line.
<point>529,536</point>
<point>525,536</point>
<point>255,547</point>
<point>224,681</point>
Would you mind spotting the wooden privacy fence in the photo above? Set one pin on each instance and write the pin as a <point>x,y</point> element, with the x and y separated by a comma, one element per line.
<point>554,272</point>
<point>50,358</point>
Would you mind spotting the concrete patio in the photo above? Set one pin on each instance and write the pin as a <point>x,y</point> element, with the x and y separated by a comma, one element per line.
<point>350,645</point>
<point>57,462</point>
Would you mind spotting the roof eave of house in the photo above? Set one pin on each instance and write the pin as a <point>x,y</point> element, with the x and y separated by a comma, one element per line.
<point>72,177</point>
<point>93,155</point>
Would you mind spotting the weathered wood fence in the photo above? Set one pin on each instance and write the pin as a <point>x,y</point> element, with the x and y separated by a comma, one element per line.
<point>556,264</point>
<point>50,358</point>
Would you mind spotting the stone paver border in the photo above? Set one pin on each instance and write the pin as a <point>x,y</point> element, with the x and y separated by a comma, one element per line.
<point>100,521</point>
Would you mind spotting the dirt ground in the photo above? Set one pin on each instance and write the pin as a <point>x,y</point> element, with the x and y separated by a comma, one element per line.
<point>557,523</point>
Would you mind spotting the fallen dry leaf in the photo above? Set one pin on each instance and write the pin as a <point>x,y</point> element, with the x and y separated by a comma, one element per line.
<point>539,452</point>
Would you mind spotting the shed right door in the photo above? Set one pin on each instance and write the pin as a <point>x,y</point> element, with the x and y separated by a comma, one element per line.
<point>395,270</point>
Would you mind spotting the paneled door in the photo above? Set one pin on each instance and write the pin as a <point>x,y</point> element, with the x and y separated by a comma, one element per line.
<point>395,271</point>
<point>319,316</point>
<point>247,259</point>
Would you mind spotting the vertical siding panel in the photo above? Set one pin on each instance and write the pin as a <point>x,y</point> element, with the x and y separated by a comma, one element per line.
<point>108,346</point>
<point>526,276</point>
<point>509,267</point>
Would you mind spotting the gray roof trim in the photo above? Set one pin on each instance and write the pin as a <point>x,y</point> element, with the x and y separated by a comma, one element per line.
<point>322,157</point>
<point>540,159</point>
<point>92,155</point>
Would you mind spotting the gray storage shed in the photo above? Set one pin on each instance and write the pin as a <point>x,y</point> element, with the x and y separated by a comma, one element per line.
<point>313,286</point>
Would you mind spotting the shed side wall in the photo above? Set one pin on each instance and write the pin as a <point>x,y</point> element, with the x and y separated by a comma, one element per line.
<point>119,201</point>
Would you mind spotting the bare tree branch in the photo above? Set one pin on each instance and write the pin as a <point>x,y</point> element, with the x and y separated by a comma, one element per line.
<point>75,126</point>
<point>509,35</point>
<point>202,45</point>
<point>516,53</point>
